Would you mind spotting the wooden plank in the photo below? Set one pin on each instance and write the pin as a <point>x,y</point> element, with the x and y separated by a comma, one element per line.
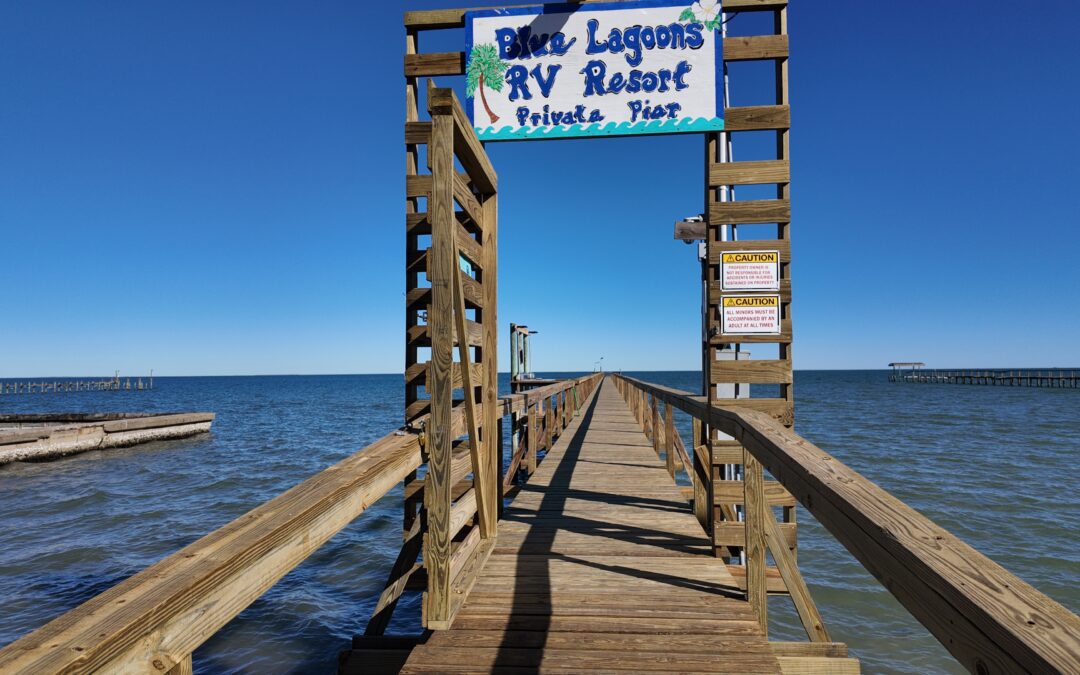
<point>434,64</point>
<point>442,271</point>
<point>749,173</point>
<point>467,200</point>
<point>793,580</point>
<point>467,146</point>
<point>756,47</point>
<point>727,533</point>
<point>716,248</point>
<point>403,567</point>
<point>463,511</point>
<point>423,370</point>
<point>485,487</point>
<point>757,118</point>
<point>489,353</point>
<point>417,133</point>
<point>750,211</point>
<point>817,665</point>
<point>474,295</point>
<point>731,492</point>
<point>418,336</point>
<point>760,371</point>
<point>821,649</point>
<point>754,508</point>
<point>988,618</point>
<point>779,409</point>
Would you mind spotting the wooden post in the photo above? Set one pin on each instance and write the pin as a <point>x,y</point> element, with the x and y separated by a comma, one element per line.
<point>655,423</point>
<point>489,356</point>
<point>669,439</point>
<point>549,420</point>
<point>530,438</point>
<point>442,269</point>
<point>702,479</point>
<point>754,506</point>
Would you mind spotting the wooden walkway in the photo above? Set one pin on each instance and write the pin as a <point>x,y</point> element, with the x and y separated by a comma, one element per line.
<point>600,566</point>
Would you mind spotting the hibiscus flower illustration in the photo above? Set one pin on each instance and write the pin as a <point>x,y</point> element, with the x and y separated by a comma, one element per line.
<point>705,12</point>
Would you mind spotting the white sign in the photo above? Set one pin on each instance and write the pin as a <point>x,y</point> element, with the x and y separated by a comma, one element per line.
<point>750,271</point>
<point>750,315</point>
<point>599,69</point>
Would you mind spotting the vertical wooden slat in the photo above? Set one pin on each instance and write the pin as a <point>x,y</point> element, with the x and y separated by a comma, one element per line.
<point>654,417</point>
<point>669,439</point>
<point>531,438</point>
<point>489,353</point>
<point>411,250</point>
<point>702,481</point>
<point>480,453</point>
<point>754,506</point>
<point>442,271</point>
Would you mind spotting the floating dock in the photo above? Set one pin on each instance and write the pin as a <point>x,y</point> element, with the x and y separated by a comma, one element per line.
<point>33,438</point>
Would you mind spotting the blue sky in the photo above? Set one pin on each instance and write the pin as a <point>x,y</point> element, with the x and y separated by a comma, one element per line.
<point>217,188</point>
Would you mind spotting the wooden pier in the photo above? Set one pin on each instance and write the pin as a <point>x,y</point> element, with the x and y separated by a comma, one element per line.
<point>600,565</point>
<point>1056,378</point>
<point>574,549</point>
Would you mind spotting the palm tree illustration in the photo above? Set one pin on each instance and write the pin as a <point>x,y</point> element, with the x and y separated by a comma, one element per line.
<point>484,68</point>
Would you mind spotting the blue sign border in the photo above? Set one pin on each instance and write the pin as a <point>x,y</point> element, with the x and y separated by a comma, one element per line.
<point>647,127</point>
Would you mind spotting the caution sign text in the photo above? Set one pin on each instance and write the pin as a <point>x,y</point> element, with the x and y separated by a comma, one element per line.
<point>750,271</point>
<point>750,315</point>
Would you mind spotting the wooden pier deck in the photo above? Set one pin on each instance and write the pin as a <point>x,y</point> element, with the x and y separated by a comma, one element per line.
<point>600,565</point>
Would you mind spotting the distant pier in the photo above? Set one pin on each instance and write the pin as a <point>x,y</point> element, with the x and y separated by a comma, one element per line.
<point>1055,378</point>
<point>40,386</point>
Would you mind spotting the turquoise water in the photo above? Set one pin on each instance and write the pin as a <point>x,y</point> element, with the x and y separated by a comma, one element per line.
<point>996,466</point>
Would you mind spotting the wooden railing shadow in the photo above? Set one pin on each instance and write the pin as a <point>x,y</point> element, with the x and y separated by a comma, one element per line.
<point>555,497</point>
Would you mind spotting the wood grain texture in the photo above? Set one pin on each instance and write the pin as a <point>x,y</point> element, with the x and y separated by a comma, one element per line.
<point>755,47</point>
<point>989,619</point>
<point>755,211</point>
<point>600,564</point>
<point>749,173</point>
<point>760,371</point>
<point>754,507</point>
<point>443,271</point>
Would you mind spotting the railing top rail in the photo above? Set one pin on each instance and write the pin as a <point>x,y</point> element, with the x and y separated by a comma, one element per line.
<point>154,620</point>
<point>988,618</point>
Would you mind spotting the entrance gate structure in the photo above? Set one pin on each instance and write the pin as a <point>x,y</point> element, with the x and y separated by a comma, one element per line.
<point>736,514</point>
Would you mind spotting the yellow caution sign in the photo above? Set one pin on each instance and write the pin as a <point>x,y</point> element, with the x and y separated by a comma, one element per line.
<point>752,301</point>
<point>752,257</point>
<point>750,315</point>
<point>750,271</point>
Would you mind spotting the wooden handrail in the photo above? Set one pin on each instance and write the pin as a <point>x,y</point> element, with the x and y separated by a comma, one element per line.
<point>988,618</point>
<point>154,620</point>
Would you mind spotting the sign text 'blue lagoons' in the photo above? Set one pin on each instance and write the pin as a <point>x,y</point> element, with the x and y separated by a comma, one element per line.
<point>604,69</point>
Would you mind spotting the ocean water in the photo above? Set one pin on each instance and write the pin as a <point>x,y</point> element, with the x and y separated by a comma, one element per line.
<point>996,466</point>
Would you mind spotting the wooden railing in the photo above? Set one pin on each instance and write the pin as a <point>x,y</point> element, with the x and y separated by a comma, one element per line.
<point>153,621</point>
<point>988,618</point>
